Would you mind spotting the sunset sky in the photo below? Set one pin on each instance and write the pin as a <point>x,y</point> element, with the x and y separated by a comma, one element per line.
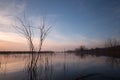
<point>75,22</point>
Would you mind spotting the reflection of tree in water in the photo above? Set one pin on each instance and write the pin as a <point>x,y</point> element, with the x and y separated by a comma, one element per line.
<point>41,71</point>
<point>0,63</point>
<point>65,66</point>
<point>3,63</point>
<point>32,69</point>
<point>115,62</point>
<point>48,69</point>
<point>81,55</point>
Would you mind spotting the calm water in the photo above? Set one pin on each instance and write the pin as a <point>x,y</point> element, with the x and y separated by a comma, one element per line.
<point>60,66</point>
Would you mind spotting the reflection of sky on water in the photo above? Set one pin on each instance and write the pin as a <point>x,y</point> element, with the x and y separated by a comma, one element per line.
<point>58,66</point>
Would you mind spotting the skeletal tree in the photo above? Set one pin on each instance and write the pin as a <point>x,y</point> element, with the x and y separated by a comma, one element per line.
<point>44,30</point>
<point>27,31</point>
<point>112,42</point>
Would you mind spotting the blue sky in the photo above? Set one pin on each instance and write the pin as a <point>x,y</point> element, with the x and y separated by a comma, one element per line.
<point>87,17</point>
<point>76,22</point>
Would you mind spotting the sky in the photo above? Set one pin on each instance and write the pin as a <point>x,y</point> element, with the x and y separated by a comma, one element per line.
<point>74,22</point>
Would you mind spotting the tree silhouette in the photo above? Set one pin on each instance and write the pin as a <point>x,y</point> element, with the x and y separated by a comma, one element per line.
<point>27,31</point>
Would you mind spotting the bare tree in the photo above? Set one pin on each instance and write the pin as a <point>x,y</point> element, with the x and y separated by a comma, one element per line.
<point>80,49</point>
<point>112,43</point>
<point>43,33</point>
<point>27,31</point>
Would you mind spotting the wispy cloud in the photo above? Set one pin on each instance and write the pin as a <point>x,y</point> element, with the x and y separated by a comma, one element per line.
<point>12,37</point>
<point>8,10</point>
<point>15,46</point>
<point>11,7</point>
<point>53,42</point>
<point>57,41</point>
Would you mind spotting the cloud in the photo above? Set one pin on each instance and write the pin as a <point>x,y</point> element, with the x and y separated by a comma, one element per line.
<point>12,37</point>
<point>54,41</point>
<point>49,20</point>
<point>57,41</point>
<point>8,10</point>
<point>9,46</point>
<point>11,7</point>
<point>9,40</point>
<point>5,21</point>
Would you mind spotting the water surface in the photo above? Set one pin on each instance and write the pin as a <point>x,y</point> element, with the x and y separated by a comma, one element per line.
<point>60,66</point>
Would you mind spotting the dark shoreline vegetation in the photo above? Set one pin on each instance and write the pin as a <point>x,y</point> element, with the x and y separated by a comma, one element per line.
<point>24,52</point>
<point>107,51</point>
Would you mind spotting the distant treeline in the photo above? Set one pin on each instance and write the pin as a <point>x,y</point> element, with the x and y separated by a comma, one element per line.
<point>24,52</point>
<point>107,51</point>
<point>111,48</point>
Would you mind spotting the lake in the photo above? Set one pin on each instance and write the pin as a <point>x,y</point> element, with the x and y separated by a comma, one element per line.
<point>59,66</point>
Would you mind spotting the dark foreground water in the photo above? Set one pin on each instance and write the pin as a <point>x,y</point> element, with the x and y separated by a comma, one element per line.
<point>60,66</point>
